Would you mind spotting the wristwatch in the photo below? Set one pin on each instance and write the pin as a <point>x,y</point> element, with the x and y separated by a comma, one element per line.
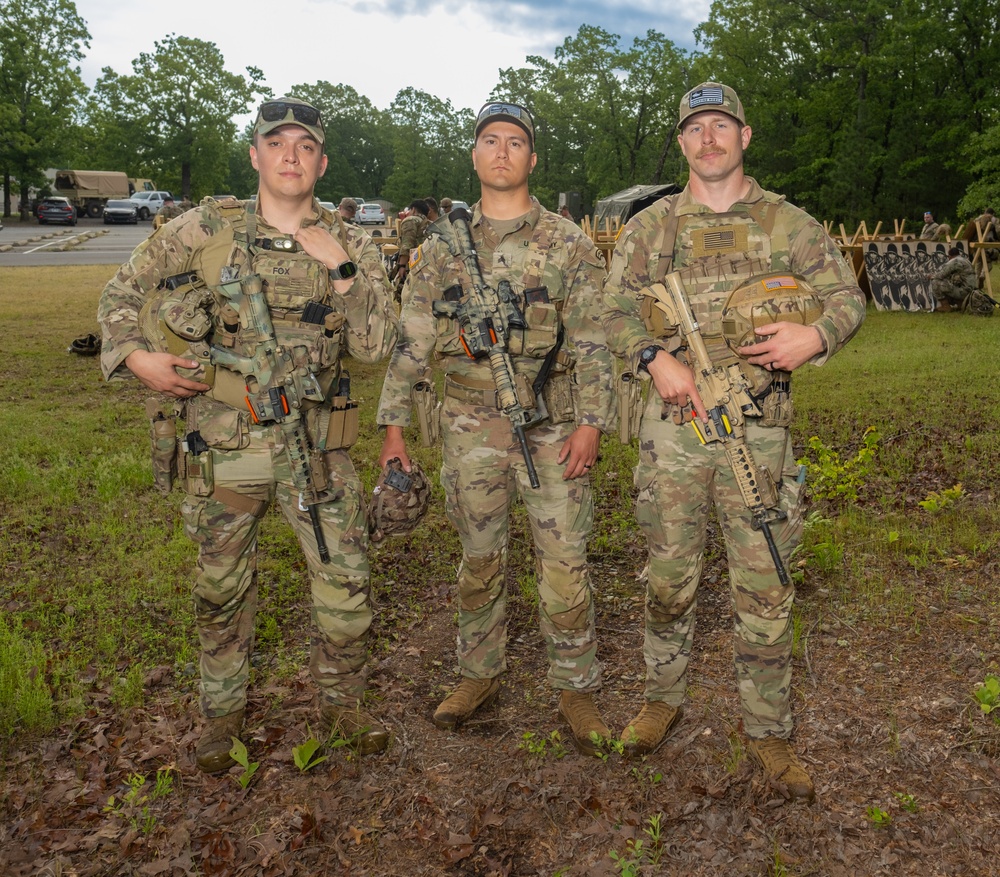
<point>647,355</point>
<point>344,271</point>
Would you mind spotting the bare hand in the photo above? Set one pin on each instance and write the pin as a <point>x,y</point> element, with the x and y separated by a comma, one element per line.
<point>394,445</point>
<point>787,346</point>
<point>674,381</point>
<point>158,372</point>
<point>579,451</point>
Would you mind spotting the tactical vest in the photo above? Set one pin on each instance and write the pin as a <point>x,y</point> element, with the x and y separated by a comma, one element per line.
<point>537,284</point>
<point>716,253</point>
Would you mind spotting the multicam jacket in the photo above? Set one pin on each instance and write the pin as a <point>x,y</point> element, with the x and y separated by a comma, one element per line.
<point>202,240</point>
<point>412,232</point>
<point>569,268</point>
<point>714,253</point>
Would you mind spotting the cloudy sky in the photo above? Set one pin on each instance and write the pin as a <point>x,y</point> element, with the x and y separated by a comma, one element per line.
<point>449,48</point>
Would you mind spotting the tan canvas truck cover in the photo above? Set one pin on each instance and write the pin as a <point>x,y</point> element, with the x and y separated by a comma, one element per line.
<point>94,184</point>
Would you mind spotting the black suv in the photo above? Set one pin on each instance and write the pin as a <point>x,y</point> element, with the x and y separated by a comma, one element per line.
<point>56,209</point>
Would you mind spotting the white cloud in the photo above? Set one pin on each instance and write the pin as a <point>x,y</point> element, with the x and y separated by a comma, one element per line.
<point>450,48</point>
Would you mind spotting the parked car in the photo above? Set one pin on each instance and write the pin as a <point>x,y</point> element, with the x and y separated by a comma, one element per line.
<point>455,205</point>
<point>121,211</point>
<point>148,203</point>
<point>56,209</point>
<point>370,214</point>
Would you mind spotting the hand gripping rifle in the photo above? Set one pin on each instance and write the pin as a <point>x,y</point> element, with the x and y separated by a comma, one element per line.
<point>727,399</point>
<point>485,316</point>
<point>276,390</point>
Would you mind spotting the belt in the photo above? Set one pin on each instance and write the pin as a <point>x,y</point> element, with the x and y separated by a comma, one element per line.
<point>471,391</point>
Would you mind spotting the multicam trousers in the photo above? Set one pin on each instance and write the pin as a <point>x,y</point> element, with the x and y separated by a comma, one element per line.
<point>678,480</point>
<point>482,472</point>
<point>225,592</point>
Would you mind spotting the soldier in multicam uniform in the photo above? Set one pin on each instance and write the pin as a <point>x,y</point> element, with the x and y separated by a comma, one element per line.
<point>305,258</point>
<point>555,273</point>
<point>954,281</point>
<point>169,210</point>
<point>931,230</point>
<point>722,229</point>
<point>412,231</point>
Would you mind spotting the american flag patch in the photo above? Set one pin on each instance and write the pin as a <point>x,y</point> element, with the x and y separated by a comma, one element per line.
<point>711,96</point>
<point>780,283</point>
<point>715,240</point>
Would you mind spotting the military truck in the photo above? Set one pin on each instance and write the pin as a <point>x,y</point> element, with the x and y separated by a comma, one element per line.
<point>89,191</point>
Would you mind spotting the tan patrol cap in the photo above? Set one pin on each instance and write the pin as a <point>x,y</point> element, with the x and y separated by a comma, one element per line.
<point>711,96</point>
<point>287,110</point>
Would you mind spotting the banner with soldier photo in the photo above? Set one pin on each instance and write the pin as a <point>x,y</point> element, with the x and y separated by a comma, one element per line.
<point>899,272</point>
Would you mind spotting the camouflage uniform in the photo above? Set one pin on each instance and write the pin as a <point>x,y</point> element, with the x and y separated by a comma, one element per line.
<point>955,280</point>
<point>250,461</point>
<point>412,232</point>
<point>678,479</point>
<point>930,231</point>
<point>170,211</point>
<point>483,468</point>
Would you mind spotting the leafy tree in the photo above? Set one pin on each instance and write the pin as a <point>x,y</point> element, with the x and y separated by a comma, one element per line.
<point>175,113</point>
<point>358,141</point>
<point>431,149</point>
<point>40,88</point>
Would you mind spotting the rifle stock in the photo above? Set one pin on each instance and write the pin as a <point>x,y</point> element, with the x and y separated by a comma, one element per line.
<point>727,401</point>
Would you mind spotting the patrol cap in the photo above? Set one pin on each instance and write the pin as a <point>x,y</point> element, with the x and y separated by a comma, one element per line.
<point>287,110</point>
<point>711,96</point>
<point>498,111</point>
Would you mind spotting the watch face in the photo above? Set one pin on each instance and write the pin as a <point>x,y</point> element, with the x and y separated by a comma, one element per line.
<point>344,271</point>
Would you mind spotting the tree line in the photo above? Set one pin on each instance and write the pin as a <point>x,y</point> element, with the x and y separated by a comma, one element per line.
<point>861,111</point>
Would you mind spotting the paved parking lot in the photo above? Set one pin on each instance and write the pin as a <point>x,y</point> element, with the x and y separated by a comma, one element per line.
<point>89,242</point>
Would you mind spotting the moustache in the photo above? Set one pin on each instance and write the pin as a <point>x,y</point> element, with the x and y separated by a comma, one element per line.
<point>712,150</point>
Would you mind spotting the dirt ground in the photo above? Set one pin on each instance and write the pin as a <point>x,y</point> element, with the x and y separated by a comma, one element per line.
<point>905,765</point>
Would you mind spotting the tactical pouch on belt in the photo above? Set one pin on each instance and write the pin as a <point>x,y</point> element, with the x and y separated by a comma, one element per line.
<point>163,434</point>
<point>425,402</point>
<point>558,397</point>
<point>629,407</point>
<point>199,475</point>
<point>342,427</point>
<point>776,406</point>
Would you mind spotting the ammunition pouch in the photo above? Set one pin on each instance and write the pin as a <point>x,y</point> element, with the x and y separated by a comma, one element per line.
<point>776,404</point>
<point>341,427</point>
<point>428,408</point>
<point>629,406</point>
<point>557,394</point>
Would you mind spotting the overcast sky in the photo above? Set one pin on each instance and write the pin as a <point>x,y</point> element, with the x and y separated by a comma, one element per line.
<point>452,49</point>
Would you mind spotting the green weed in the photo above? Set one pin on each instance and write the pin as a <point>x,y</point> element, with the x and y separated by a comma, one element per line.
<point>135,805</point>
<point>240,755</point>
<point>538,747</point>
<point>834,478</point>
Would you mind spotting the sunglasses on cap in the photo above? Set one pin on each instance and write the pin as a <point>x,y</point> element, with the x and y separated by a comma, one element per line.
<point>275,111</point>
<point>500,109</point>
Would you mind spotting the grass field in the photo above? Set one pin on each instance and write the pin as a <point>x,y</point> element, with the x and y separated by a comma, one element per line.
<point>899,560</point>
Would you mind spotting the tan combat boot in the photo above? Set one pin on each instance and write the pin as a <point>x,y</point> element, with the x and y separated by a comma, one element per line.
<point>468,696</point>
<point>782,765</point>
<point>364,734</point>
<point>212,754</point>
<point>580,712</point>
<point>650,728</point>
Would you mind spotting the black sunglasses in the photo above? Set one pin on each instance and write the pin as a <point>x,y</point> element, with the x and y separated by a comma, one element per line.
<point>275,111</point>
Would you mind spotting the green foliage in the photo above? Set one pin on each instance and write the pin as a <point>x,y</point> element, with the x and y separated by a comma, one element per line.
<point>537,747</point>
<point>641,856</point>
<point>305,754</point>
<point>938,501</point>
<point>907,802</point>
<point>878,817</point>
<point>25,698</point>
<point>834,478</point>
<point>135,806</point>
<point>240,755</point>
<point>987,695</point>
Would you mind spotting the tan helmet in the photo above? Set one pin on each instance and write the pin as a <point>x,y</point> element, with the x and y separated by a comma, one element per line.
<point>399,501</point>
<point>767,298</point>
<point>176,319</point>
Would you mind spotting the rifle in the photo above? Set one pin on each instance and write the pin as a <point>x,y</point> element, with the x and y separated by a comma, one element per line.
<point>276,390</point>
<point>728,401</point>
<point>486,316</point>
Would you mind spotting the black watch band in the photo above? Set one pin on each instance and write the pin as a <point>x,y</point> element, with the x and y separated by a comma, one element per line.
<point>344,271</point>
<point>647,355</point>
